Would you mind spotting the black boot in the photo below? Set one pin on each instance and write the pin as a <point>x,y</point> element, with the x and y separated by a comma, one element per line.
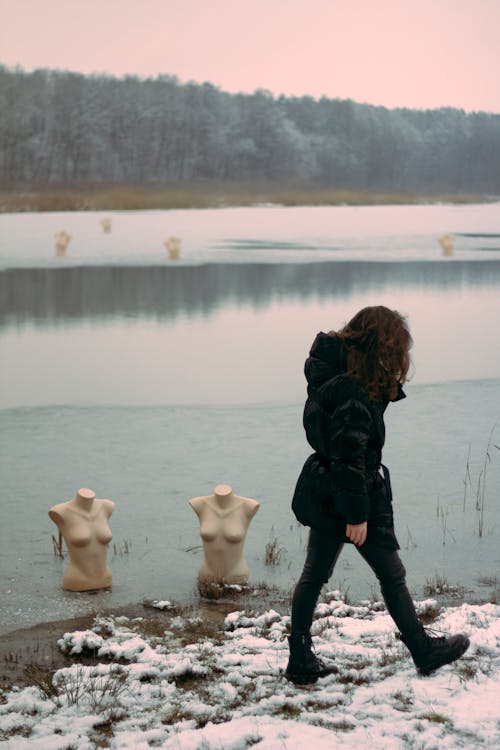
<point>431,652</point>
<point>304,667</point>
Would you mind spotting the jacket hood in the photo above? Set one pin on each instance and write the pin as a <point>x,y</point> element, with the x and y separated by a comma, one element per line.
<point>327,361</point>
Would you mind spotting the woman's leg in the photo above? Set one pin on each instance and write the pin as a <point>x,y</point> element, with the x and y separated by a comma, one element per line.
<point>429,653</point>
<point>390,571</point>
<point>303,666</point>
<point>323,550</point>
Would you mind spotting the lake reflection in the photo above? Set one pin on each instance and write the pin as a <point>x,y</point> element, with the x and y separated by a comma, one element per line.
<point>60,294</point>
<point>235,333</point>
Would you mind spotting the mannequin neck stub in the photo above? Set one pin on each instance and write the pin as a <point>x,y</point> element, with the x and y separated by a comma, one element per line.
<point>223,496</point>
<point>84,500</point>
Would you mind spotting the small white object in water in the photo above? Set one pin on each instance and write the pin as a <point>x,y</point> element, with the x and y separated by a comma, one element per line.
<point>162,604</point>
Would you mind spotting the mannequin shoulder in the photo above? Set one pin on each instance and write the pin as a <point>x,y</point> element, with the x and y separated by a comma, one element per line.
<point>251,506</point>
<point>58,513</point>
<point>198,503</point>
<point>107,506</point>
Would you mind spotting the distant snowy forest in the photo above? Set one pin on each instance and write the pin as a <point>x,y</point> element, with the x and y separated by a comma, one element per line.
<point>61,127</point>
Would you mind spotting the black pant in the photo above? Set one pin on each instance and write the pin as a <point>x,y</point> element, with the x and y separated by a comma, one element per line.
<point>322,554</point>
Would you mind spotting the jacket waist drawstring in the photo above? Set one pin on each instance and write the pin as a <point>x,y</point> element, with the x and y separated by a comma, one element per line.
<point>387,481</point>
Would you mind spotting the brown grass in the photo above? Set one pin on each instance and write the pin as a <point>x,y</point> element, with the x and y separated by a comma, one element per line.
<point>143,197</point>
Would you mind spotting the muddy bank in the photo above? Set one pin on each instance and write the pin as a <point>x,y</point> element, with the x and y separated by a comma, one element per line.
<point>36,646</point>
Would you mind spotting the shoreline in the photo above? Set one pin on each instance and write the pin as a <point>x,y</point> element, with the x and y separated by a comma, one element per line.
<point>37,644</point>
<point>142,197</point>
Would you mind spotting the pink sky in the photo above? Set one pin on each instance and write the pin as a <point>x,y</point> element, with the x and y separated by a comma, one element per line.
<point>414,53</point>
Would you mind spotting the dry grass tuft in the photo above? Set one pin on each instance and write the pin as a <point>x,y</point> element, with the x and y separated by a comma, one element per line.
<point>439,585</point>
<point>274,551</point>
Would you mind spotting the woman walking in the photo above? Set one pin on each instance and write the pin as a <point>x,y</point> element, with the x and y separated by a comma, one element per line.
<point>352,375</point>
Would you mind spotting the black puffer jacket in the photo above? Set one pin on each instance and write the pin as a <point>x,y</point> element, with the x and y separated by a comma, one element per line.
<point>341,482</point>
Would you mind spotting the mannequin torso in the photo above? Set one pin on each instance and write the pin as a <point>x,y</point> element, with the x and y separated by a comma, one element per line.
<point>224,520</point>
<point>83,522</point>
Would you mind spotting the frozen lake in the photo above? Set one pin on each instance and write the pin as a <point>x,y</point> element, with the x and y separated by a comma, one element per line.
<point>152,381</point>
<point>261,234</point>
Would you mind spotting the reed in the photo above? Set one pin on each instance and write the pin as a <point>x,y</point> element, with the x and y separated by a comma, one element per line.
<point>273,551</point>
<point>467,478</point>
<point>439,586</point>
<point>488,580</point>
<point>142,197</point>
<point>410,542</point>
<point>124,548</point>
<point>481,484</point>
<point>57,545</point>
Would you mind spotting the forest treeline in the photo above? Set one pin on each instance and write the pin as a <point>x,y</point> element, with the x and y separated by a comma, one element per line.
<point>58,127</point>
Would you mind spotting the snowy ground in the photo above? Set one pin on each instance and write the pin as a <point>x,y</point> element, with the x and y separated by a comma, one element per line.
<point>187,687</point>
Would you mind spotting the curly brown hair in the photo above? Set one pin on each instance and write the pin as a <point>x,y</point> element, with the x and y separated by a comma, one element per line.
<point>378,343</point>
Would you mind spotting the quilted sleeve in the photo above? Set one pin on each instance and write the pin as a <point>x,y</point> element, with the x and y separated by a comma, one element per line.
<point>350,427</point>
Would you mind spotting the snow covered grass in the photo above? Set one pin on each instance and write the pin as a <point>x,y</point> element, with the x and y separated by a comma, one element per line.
<point>190,686</point>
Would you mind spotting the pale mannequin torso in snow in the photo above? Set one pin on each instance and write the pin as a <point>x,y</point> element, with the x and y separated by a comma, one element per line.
<point>83,523</point>
<point>224,520</point>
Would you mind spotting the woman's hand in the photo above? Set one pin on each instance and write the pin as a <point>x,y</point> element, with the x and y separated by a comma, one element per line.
<point>356,532</point>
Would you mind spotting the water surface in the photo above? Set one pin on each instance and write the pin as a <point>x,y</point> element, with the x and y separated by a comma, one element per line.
<point>152,381</point>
